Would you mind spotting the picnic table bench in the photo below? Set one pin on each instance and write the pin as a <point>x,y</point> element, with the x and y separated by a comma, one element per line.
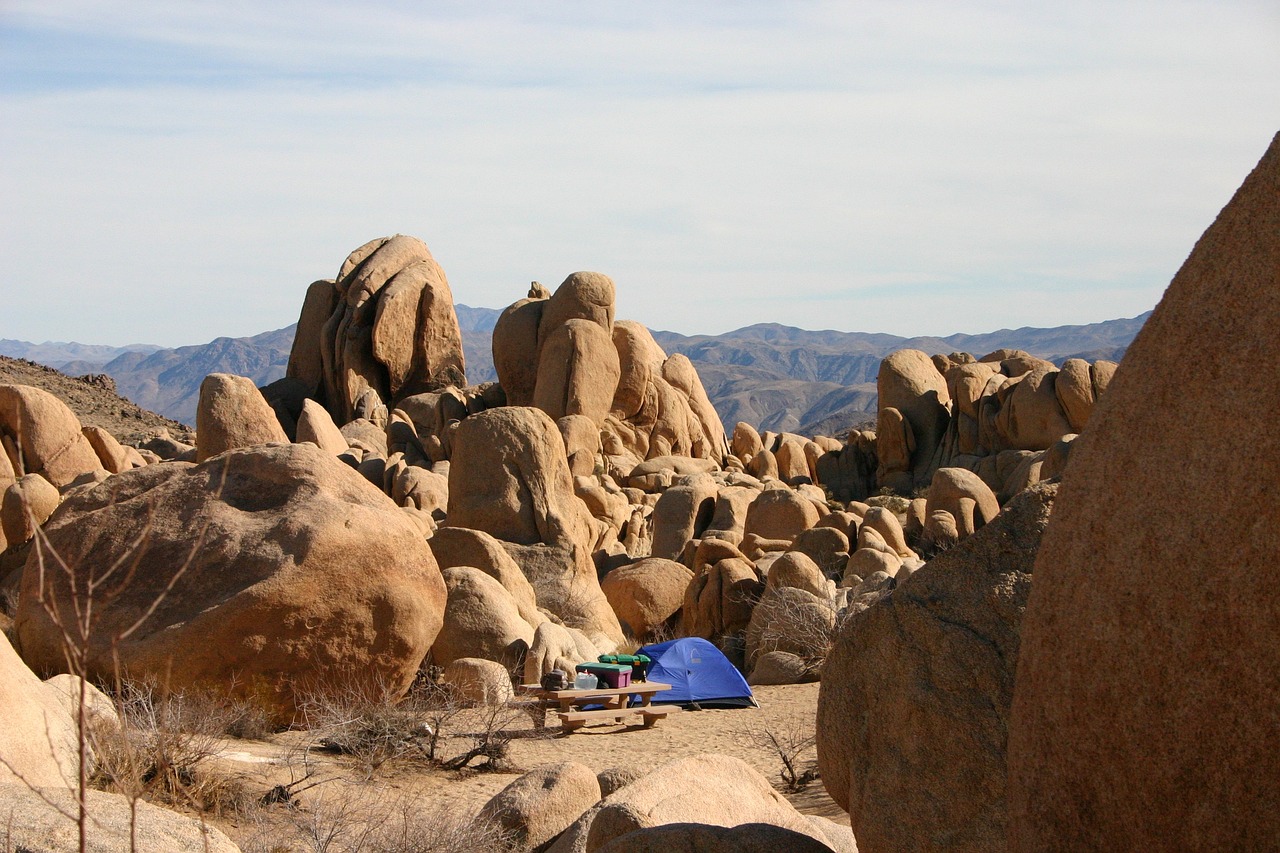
<point>616,701</point>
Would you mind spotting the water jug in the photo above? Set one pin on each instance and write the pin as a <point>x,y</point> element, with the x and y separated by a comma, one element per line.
<point>585,681</point>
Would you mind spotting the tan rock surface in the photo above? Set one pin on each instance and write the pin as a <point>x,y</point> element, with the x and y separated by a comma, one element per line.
<point>233,414</point>
<point>298,575</point>
<point>914,706</point>
<point>1146,703</point>
<point>46,434</point>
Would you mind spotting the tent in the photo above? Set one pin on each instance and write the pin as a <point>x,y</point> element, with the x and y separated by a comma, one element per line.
<point>699,674</point>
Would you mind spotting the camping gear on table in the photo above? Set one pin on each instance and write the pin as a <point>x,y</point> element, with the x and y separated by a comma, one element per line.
<point>639,664</point>
<point>699,674</point>
<point>556,679</point>
<point>614,675</point>
<point>585,681</point>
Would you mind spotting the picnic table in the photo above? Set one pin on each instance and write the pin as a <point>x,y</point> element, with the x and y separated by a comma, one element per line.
<point>616,701</point>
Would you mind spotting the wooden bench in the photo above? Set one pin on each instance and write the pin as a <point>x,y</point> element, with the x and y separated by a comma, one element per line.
<point>567,704</point>
<point>571,721</point>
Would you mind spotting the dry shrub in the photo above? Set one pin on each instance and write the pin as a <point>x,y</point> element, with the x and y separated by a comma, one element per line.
<point>795,746</point>
<point>158,751</point>
<point>371,819</point>
<point>375,730</point>
<point>799,624</point>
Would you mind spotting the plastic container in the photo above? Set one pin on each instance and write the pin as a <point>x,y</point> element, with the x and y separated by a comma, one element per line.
<point>585,681</point>
<point>639,664</point>
<point>613,675</point>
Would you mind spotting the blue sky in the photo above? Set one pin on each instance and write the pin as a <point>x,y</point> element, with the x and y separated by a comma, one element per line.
<point>175,171</point>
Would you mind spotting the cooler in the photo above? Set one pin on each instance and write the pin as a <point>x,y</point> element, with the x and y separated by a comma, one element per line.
<point>613,674</point>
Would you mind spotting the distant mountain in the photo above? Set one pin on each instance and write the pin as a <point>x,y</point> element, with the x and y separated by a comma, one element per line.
<point>55,352</point>
<point>94,400</point>
<point>774,377</point>
<point>783,378</point>
<point>168,380</point>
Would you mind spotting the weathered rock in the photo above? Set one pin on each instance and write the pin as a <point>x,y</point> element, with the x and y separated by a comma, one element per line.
<point>276,569</point>
<point>682,513</point>
<point>746,442</point>
<point>38,742</point>
<point>702,838</point>
<point>233,414</point>
<point>886,524</point>
<point>780,668</point>
<point>792,620</point>
<point>26,505</point>
<point>779,514</point>
<point>714,790</point>
<point>481,620</point>
<point>113,456</point>
<point>1030,416</point>
<point>35,821</point>
<point>909,382</point>
<point>391,331</point>
<point>720,599</point>
<point>646,593</point>
<point>797,569</point>
<point>509,477</point>
<point>305,363</point>
<point>556,647</point>
<point>42,436</point>
<point>1145,711</point>
<point>913,711</point>
<point>577,371</point>
<point>963,494</point>
<point>316,426</point>
<point>478,680</point>
<point>458,546</point>
<point>826,545</point>
<point>542,803</point>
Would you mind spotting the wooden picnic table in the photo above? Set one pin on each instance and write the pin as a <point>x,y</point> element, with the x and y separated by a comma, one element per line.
<point>616,702</point>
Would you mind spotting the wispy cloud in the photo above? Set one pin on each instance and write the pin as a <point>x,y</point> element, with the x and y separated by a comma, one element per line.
<point>176,171</point>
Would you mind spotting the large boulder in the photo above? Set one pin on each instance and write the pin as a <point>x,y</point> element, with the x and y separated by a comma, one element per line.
<point>542,803</point>
<point>481,620</point>
<point>914,706</point>
<point>274,570</point>
<point>36,820</point>
<point>231,414</point>
<point>42,436</point>
<point>715,790</point>
<point>646,593</point>
<point>458,546</point>
<point>703,838</point>
<point>1145,714</point>
<point>384,330</point>
<point>39,745</point>
<point>909,382</point>
<point>509,477</point>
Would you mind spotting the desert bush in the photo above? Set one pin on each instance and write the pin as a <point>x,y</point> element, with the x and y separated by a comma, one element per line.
<point>794,746</point>
<point>158,751</point>
<point>375,730</point>
<point>802,625</point>
<point>372,819</point>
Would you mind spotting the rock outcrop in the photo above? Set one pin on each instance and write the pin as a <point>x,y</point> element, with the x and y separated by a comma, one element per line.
<point>272,570</point>
<point>1145,711</point>
<point>384,330</point>
<point>914,705</point>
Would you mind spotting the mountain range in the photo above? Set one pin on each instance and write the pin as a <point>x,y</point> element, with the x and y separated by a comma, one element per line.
<point>771,376</point>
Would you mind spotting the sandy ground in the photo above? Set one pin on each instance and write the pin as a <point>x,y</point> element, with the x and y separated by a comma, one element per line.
<point>783,709</point>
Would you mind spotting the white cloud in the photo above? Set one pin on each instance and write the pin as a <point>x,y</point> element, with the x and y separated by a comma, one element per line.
<point>931,170</point>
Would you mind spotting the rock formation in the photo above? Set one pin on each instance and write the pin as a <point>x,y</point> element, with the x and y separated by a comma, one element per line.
<point>1144,715</point>
<point>384,330</point>
<point>914,706</point>
<point>272,571</point>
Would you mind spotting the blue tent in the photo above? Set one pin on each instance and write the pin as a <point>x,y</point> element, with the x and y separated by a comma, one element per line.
<point>699,674</point>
